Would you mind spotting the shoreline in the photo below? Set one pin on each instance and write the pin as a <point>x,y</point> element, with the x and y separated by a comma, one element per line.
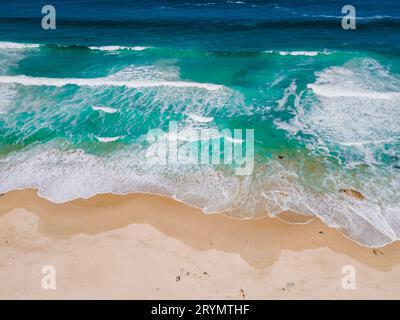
<point>269,255</point>
<point>286,217</point>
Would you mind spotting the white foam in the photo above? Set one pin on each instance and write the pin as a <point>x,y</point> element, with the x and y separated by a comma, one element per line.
<point>335,91</point>
<point>190,134</point>
<point>289,91</point>
<point>233,140</point>
<point>357,18</point>
<point>108,139</point>
<point>62,176</point>
<point>203,4</point>
<point>7,95</point>
<point>159,71</point>
<point>105,109</point>
<point>13,45</point>
<point>200,118</point>
<point>356,105</point>
<point>96,82</point>
<point>118,48</point>
<point>363,143</point>
<point>193,134</point>
<point>299,53</point>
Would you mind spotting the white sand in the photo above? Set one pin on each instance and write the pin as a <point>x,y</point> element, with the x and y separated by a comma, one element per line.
<point>145,247</point>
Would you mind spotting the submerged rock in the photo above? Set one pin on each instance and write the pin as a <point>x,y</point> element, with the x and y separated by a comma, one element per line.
<point>353,193</point>
<point>377,252</point>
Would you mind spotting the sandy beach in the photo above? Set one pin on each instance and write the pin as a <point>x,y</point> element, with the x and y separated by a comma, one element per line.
<point>151,247</point>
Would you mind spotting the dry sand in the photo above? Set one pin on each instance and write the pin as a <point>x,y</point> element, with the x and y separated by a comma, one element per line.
<point>151,247</point>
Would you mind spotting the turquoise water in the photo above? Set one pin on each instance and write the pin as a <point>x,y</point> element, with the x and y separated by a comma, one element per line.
<point>74,118</point>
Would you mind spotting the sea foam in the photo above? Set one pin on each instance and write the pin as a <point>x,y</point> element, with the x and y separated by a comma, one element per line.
<point>201,119</point>
<point>299,53</point>
<point>118,48</point>
<point>356,106</point>
<point>108,139</point>
<point>14,45</point>
<point>96,82</point>
<point>105,109</point>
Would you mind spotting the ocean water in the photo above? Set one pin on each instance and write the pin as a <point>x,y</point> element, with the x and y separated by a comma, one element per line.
<point>76,104</point>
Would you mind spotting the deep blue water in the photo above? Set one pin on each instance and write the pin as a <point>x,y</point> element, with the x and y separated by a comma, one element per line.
<point>248,25</point>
